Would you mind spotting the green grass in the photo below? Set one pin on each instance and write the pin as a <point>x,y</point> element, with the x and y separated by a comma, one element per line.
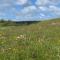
<point>39,41</point>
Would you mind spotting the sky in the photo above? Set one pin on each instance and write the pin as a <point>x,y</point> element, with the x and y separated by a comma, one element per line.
<point>22,10</point>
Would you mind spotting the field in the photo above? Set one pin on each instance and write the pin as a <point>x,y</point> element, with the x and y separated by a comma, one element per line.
<point>37,41</point>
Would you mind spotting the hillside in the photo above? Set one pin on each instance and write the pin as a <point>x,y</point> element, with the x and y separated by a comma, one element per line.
<point>36,41</point>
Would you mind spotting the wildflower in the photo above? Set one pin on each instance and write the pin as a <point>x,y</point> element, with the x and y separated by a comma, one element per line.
<point>9,48</point>
<point>20,36</point>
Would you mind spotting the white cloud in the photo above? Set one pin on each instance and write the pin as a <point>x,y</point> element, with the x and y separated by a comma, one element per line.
<point>27,11</point>
<point>43,8</point>
<point>42,15</point>
<point>40,8</point>
<point>54,1</point>
<point>6,4</point>
<point>54,9</point>
<point>21,2</point>
<point>49,6</point>
<point>41,2</point>
<point>47,2</point>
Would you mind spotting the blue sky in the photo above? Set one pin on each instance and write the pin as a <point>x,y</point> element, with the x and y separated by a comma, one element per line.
<point>29,9</point>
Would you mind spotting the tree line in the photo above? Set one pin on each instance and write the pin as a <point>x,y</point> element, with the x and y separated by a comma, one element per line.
<point>15,23</point>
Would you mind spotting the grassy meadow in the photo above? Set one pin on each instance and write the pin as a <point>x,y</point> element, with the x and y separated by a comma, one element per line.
<point>36,41</point>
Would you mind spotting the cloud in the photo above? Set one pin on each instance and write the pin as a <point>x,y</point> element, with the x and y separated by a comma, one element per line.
<point>47,2</point>
<point>39,11</point>
<point>42,15</point>
<point>21,2</point>
<point>43,8</point>
<point>6,3</point>
<point>55,2</point>
<point>28,9</point>
<point>54,9</point>
<point>31,12</point>
<point>41,2</point>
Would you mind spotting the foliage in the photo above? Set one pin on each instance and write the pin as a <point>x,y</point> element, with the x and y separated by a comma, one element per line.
<point>40,41</point>
<point>16,23</point>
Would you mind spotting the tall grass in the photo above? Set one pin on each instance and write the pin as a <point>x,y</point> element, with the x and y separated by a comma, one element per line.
<point>39,41</point>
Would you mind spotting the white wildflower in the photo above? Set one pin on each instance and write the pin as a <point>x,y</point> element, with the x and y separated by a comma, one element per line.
<point>20,36</point>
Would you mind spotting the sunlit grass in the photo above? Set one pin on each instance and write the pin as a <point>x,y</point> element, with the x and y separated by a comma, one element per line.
<point>39,41</point>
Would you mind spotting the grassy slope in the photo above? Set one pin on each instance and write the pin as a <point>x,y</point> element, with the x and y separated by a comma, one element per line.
<point>39,41</point>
